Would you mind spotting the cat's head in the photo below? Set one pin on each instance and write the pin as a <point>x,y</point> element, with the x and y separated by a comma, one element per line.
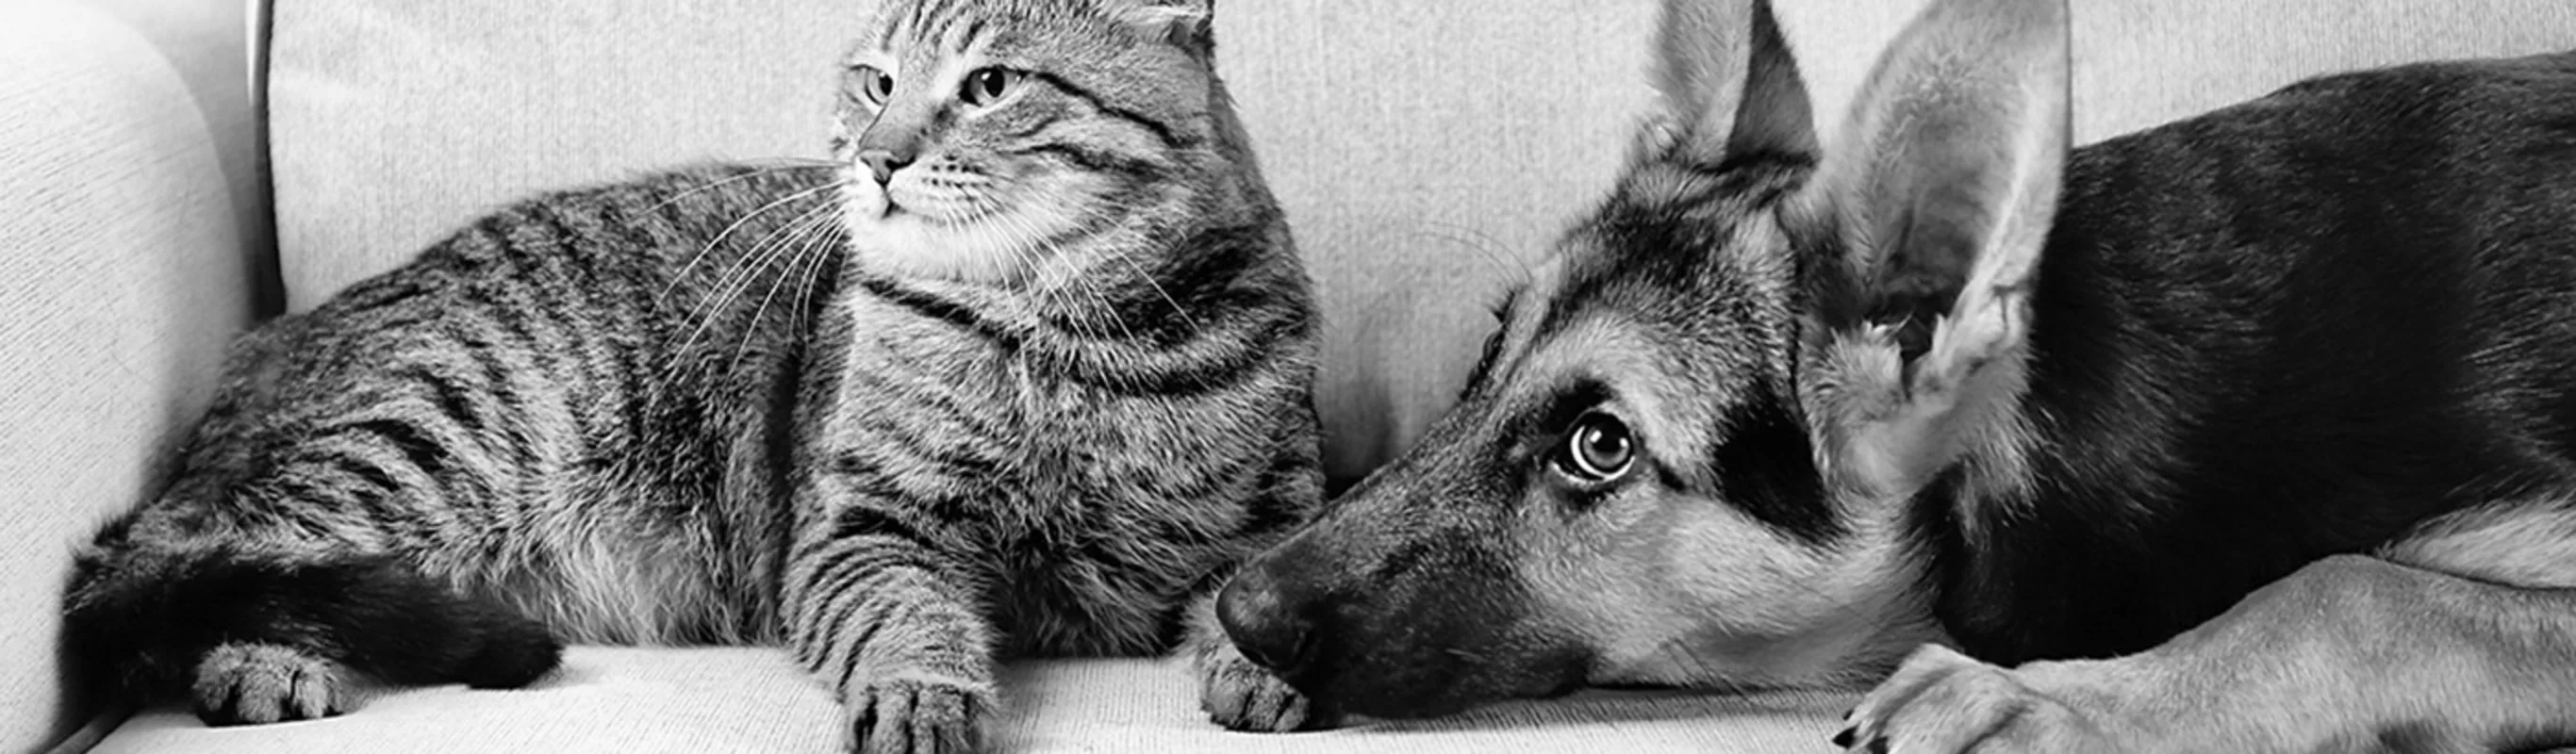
<point>979,140</point>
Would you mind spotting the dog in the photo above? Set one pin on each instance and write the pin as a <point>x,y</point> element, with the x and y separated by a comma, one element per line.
<point>2251,432</point>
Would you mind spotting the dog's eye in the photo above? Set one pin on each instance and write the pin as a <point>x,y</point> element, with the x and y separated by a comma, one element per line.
<point>1598,450</point>
<point>875,85</point>
<point>989,85</point>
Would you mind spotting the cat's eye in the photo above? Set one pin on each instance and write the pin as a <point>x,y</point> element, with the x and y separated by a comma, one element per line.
<point>989,85</point>
<point>1599,449</point>
<point>876,86</point>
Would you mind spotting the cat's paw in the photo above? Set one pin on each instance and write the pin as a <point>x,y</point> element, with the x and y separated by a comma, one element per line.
<point>915,716</point>
<point>249,684</point>
<point>1243,696</point>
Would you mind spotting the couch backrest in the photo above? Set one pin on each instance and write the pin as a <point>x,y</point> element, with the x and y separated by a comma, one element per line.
<point>1424,150</point>
<point>127,181</point>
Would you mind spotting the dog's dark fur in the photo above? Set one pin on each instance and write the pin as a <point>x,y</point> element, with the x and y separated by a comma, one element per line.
<point>2285,401</point>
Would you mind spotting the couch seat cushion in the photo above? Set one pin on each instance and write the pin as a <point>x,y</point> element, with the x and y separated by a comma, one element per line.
<point>609,699</point>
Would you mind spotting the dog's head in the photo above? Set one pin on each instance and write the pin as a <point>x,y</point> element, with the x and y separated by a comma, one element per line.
<point>1691,453</point>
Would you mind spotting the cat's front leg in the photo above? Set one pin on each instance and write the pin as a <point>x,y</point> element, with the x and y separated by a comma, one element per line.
<point>892,624</point>
<point>1237,693</point>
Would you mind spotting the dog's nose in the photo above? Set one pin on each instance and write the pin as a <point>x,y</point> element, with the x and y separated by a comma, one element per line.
<point>1269,629</point>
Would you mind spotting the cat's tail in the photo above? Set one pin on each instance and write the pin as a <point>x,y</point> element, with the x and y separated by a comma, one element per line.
<point>260,636</point>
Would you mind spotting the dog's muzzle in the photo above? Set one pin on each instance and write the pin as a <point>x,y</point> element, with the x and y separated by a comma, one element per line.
<point>1419,637</point>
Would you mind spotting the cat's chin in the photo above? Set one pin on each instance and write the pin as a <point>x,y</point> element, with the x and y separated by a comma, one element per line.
<point>906,244</point>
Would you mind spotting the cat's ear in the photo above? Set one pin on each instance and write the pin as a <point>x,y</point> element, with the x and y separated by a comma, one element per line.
<point>1937,196</point>
<point>1179,21</point>
<point>1728,86</point>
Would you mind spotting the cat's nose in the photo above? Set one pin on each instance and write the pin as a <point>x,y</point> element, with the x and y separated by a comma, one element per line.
<point>1271,626</point>
<point>883,163</point>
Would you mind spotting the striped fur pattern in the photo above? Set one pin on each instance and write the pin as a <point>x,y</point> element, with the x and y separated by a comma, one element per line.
<point>1022,371</point>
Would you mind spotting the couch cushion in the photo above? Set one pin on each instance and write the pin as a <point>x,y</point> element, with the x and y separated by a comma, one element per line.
<point>755,700</point>
<point>602,700</point>
<point>121,275</point>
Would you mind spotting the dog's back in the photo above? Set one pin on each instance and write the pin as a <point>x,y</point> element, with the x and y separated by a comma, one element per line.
<point>2285,329</point>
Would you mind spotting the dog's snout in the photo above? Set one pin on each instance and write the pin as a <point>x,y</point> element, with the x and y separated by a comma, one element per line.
<point>1268,626</point>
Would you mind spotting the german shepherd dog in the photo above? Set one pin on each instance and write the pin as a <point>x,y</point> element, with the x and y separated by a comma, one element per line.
<point>2251,432</point>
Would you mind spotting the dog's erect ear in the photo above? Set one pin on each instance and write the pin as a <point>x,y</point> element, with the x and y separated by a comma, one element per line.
<point>1729,86</point>
<point>1938,194</point>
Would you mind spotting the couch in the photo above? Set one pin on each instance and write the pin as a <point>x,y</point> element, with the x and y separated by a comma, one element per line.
<point>172,171</point>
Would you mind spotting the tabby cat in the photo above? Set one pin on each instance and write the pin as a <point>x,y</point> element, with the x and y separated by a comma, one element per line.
<point>1022,371</point>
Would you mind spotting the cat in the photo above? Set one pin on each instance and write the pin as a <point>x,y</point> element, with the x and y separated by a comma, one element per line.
<point>1023,370</point>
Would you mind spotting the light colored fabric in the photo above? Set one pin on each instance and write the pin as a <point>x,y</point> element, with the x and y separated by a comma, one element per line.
<point>121,274</point>
<point>207,42</point>
<point>755,700</point>
<point>393,122</point>
<point>603,700</point>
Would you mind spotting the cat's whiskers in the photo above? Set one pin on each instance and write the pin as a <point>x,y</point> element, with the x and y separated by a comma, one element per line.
<point>739,279</point>
<point>834,242</point>
<point>1031,251</point>
<point>799,245</point>
<point>683,272</point>
<point>760,258</point>
<point>1124,254</point>
<point>791,163</point>
<point>1491,250</point>
<point>1488,249</point>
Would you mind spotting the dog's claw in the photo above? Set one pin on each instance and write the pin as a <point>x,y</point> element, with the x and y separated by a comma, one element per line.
<point>1843,740</point>
<point>1942,702</point>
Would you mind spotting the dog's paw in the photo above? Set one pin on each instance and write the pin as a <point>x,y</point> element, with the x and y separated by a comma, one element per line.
<point>250,684</point>
<point>1942,702</point>
<point>1243,696</point>
<point>913,716</point>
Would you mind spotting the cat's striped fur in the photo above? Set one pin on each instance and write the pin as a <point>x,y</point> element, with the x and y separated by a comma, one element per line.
<point>1031,385</point>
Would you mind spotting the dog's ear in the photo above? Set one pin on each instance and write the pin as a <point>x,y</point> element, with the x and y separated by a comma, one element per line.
<point>1931,209</point>
<point>1728,86</point>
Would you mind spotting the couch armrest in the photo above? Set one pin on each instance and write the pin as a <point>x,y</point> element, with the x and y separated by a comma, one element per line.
<point>122,274</point>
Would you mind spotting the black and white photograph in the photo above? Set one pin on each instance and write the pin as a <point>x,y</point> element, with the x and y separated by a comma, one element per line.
<point>1288,376</point>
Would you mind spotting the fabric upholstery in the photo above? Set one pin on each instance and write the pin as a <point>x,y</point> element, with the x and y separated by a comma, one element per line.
<point>753,700</point>
<point>208,43</point>
<point>122,276</point>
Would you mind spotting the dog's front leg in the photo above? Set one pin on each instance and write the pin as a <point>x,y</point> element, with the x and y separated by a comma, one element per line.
<point>2348,654</point>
